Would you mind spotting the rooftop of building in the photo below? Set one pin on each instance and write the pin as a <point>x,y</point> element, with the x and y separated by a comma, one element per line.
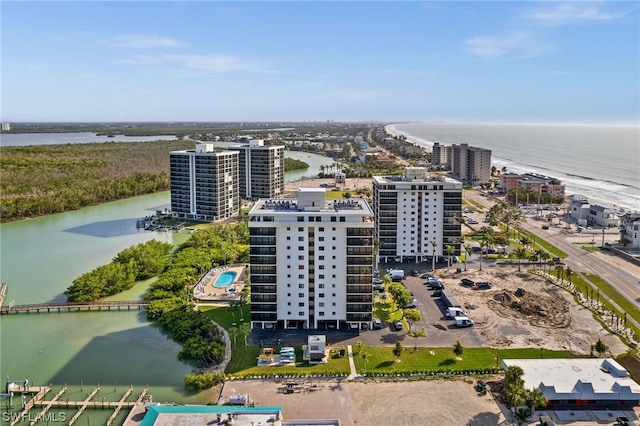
<point>577,378</point>
<point>312,200</point>
<point>186,415</point>
<point>416,175</point>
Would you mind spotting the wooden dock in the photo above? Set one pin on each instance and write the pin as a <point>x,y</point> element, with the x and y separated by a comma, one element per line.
<point>74,307</point>
<point>3,292</point>
<point>41,391</point>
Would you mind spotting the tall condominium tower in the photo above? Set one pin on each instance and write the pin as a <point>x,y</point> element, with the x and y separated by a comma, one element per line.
<point>261,170</point>
<point>417,215</point>
<point>204,184</point>
<point>311,262</point>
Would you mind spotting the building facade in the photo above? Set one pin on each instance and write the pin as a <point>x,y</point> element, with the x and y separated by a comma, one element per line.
<point>311,262</point>
<point>630,229</point>
<point>204,184</point>
<point>417,215</point>
<point>470,164</point>
<point>261,170</point>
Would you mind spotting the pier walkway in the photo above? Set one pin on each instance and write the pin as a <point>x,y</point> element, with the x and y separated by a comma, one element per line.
<point>3,292</point>
<point>74,306</point>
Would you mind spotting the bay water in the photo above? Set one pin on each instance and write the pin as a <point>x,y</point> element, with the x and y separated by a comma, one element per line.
<point>601,162</point>
<point>39,259</point>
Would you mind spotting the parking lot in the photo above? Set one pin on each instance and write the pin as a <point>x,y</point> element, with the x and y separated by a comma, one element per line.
<point>440,331</point>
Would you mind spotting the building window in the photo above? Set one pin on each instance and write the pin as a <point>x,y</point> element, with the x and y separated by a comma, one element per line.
<point>301,257</point>
<point>288,284</point>
<point>301,285</point>
<point>321,295</point>
<point>318,218</point>
<point>301,267</point>
<point>342,219</point>
<point>288,303</point>
<point>320,266</point>
<point>301,238</point>
<point>300,314</point>
<point>320,285</point>
<point>288,294</point>
<point>321,277</point>
<point>288,228</point>
<point>321,229</point>
<point>288,238</point>
<point>288,256</point>
<point>301,229</point>
<point>321,304</point>
<point>301,276</point>
<point>300,294</point>
<point>333,219</point>
<point>321,248</point>
<point>322,238</point>
<point>300,219</point>
<point>320,257</point>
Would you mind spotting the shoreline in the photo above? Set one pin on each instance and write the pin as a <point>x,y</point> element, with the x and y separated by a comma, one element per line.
<point>516,167</point>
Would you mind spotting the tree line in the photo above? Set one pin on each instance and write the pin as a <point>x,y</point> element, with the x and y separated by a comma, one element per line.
<point>130,265</point>
<point>39,180</point>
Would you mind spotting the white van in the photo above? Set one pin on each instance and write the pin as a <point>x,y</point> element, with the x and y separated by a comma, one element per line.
<point>463,322</point>
<point>455,312</point>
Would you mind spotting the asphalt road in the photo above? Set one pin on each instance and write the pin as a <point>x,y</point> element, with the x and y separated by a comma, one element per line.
<point>625,279</point>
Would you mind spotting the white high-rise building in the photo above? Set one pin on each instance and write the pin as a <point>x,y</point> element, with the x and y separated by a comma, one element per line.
<point>6,126</point>
<point>416,215</point>
<point>311,262</point>
<point>204,184</point>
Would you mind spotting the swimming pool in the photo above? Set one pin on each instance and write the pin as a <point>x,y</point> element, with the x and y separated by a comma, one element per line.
<point>225,279</point>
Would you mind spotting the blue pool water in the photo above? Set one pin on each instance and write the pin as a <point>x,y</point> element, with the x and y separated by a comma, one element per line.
<point>225,279</point>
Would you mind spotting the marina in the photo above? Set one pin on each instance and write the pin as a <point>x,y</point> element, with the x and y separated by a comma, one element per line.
<point>39,393</point>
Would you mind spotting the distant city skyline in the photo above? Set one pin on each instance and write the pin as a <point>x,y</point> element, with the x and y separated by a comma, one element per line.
<point>498,62</point>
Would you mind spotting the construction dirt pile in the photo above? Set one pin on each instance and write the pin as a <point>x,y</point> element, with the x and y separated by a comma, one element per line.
<point>524,310</point>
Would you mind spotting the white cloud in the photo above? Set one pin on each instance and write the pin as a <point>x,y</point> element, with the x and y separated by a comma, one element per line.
<point>517,44</point>
<point>209,63</point>
<point>568,13</point>
<point>143,41</point>
<point>212,63</point>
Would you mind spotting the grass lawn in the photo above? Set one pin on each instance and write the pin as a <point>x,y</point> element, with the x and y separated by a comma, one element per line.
<point>223,317</point>
<point>382,359</point>
<point>243,364</point>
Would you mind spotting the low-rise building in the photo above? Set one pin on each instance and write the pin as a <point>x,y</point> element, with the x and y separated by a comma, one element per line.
<point>630,229</point>
<point>579,383</point>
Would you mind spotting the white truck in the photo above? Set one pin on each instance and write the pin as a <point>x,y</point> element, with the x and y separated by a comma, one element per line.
<point>396,274</point>
<point>455,311</point>
<point>463,322</point>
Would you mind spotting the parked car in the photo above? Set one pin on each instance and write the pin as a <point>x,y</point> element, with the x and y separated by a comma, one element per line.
<point>414,273</point>
<point>397,325</point>
<point>484,284</point>
<point>412,304</point>
<point>377,324</point>
<point>467,282</point>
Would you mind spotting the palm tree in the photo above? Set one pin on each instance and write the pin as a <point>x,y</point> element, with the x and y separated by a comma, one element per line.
<point>434,244</point>
<point>568,272</point>
<point>543,256</point>
<point>376,250</point>
<point>536,399</point>
<point>521,253</point>
<point>245,329</point>
<point>233,333</point>
<point>524,240</point>
<point>365,356</point>
<point>468,250</point>
<point>450,250</point>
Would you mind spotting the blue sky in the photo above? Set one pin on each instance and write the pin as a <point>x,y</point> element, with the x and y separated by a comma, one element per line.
<point>570,62</point>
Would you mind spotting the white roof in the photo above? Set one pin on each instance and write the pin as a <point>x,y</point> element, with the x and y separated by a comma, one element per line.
<point>585,378</point>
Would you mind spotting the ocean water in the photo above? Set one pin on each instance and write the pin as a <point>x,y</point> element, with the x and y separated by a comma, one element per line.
<point>601,162</point>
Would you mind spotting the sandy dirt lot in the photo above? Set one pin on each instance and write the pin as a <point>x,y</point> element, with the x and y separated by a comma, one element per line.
<point>376,403</point>
<point>538,315</point>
